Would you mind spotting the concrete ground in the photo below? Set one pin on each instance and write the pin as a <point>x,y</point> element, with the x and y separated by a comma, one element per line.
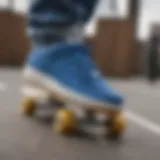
<point>33,139</point>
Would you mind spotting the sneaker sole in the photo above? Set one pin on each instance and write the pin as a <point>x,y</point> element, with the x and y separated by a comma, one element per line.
<point>40,86</point>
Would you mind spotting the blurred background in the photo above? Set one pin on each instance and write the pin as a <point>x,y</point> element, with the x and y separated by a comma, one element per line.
<point>118,32</point>
<point>124,36</point>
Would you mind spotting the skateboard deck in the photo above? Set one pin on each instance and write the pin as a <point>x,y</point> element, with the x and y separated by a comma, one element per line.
<point>41,94</point>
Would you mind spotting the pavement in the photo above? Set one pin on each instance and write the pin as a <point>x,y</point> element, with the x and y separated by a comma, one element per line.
<point>33,139</point>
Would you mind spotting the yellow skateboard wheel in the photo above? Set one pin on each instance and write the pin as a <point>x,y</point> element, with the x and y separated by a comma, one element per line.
<point>65,121</point>
<point>117,126</point>
<point>28,107</point>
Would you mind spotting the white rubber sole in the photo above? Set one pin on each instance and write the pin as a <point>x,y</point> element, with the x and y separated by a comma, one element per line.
<point>52,88</point>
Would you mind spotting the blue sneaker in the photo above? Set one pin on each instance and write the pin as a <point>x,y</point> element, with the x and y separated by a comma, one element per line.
<point>68,72</point>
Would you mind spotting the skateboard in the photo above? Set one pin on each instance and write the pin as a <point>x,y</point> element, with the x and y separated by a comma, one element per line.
<point>65,119</point>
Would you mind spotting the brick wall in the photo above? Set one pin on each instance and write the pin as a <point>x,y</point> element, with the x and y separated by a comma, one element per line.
<point>13,42</point>
<point>114,47</point>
